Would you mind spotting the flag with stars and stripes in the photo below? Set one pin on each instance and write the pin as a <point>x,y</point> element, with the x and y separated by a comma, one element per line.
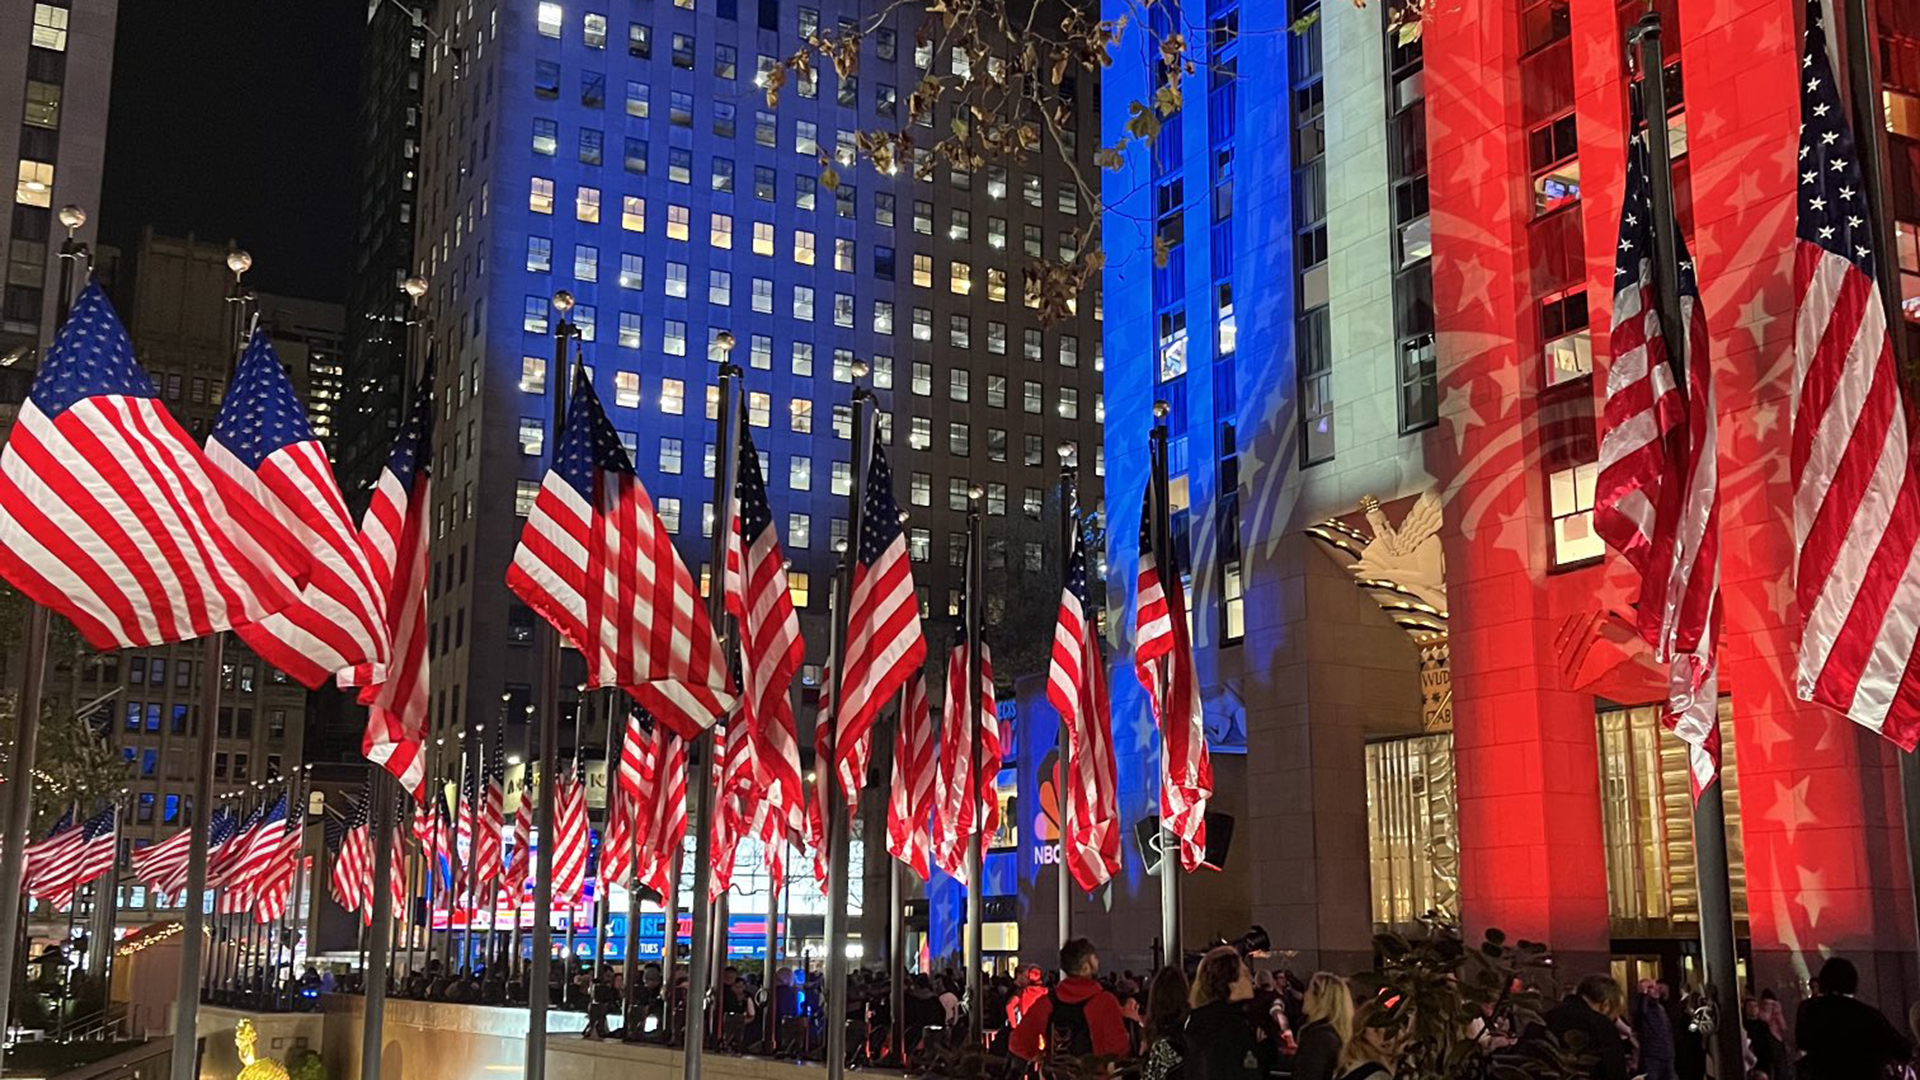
<point>967,805</point>
<point>598,564</point>
<point>626,798</point>
<point>224,855</point>
<point>570,838</point>
<point>111,516</point>
<point>667,814</point>
<point>273,886</point>
<point>487,856</point>
<point>262,442</point>
<point>162,867</point>
<point>1077,689</point>
<point>519,865</point>
<point>910,795</point>
<point>1657,498</point>
<point>1163,662</point>
<point>350,879</point>
<point>884,641</point>
<point>394,533</point>
<point>38,852</point>
<point>76,856</point>
<point>255,857</point>
<point>771,651</point>
<point>1856,496</point>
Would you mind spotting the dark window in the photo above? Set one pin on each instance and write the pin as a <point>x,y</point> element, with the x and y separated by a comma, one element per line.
<point>640,40</point>
<point>546,79</point>
<point>593,89</point>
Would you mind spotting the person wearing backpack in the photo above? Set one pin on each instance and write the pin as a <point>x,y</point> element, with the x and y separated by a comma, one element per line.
<point>1078,1018</point>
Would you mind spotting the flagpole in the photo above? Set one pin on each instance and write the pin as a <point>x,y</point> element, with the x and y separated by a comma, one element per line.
<point>897,923</point>
<point>1869,126</point>
<point>468,955</point>
<point>834,816</point>
<point>1069,508</point>
<point>976,723</point>
<point>631,946</point>
<point>771,946</point>
<point>186,1006</point>
<point>549,720</point>
<point>1709,812</point>
<point>374,974</point>
<point>1172,951</point>
<point>27,715</point>
<point>289,917</point>
<point>603,896</point>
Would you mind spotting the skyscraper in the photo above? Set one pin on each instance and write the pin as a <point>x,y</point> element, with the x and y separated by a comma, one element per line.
<point>56,59</point>
<point>628,157</point>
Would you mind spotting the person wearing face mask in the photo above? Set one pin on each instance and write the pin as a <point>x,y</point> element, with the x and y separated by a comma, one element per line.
<point>1220,1041</point>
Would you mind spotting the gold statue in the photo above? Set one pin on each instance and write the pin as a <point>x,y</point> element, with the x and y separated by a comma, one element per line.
<point>253,1067</point>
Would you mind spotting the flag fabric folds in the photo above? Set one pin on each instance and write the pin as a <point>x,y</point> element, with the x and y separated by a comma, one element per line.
<point>256,856</point>
<point>910,794</point>
<point>771,652</point>
<point>162,867</point>
<point>1077,689</point>
<point>570,838</point>
<point>1856,498</point>
<point>884,641</point>
<point>262,443</point>
<point>1163,662</point>
<point>223,857</point>
<point>350,879</point>
<point>394,534</point>
<point>519,867</point>
<point>967,807</point>
<point>626,799</point>
<point>1657,497</point>
<point>111,516</point>
<point>273,887</point>
<point>596,562</point>
<point>74,856</point>
<point>487,855</point>
<point>666,784</point>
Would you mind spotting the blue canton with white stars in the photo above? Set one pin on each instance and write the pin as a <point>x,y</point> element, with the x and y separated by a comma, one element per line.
<point>222,828</point>
<point>65,823</point>
<point>1077,571</point>
<point>1832,210</point>
<point>261,414</point>
<point>756,514</point>
<point>588,442</point>
<point>91,355</point>
<point>99,824</point>
<point>880,517</point>
<point>413,447</point>
<point>1636,223</point>
<point>335,831</point>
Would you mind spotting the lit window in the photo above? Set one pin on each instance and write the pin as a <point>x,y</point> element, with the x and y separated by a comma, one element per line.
<point>960,331</point>
<point>1069,351</point>
<point>800,473</point>
<point>922,378</point>
<point>798,587</point>
<point>806,138</point>
<point>680,166</point>
<point>583,320</point>
<point>1067,198</point>
<point>1570,499</point>
<point>629,333</point>
<point>803,358</point>
<point>632,271</point>
<point>957,493</point>
<point>672,396</point>
<point>539,254</point>
<point>720,231</point>
<point>669,508</point>
<point>923,271</point>
<point>593,31</point>
<point>843,310</point>
<point>546,136</point>
<point>882,371</point>
<point>842,477</point>
<point>719,287</point>
<point>763,238</point>
<point>1173,344</point>
<point>843,255</point>
<point>882,317</point>
<point>1569,343</point>
<point>920,433</point>
<point>1553,153</point>
<point>759,409</point>
<point>539,196</point>
<point>799,531</point>
<point>670,455</point>
<point>678,222</point>
<point>1031,397</point>
<point>586,204</point>
<point>763,296</point>
<point>760,351</point>
<point>633,214</point>
<point>800,415</point>
<point>923,217</point>
<point>533,437</point>
<point>533,374</point>
<point>586,263</point>
<point>803,247</point>
<point>677,280</point>
<point>997,285</point>
<point>959,384</point>
<point>919,545</point>
<point>803,303</point>
<point>637,99</point>
<point>50,28</point>
<point>533,319</point>
<point>1069,403</point>
<point>959,439</point>
<point>676,338</point>
<point>922,324</point>
<point>959,278</point>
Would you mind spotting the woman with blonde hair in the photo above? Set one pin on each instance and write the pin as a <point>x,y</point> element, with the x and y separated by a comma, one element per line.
<point>1329,1013</point>
<point>1372,1047</point>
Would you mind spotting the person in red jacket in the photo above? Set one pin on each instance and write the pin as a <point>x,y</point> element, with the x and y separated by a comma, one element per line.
<point>1077,1018</point>
<point>1033,987</point>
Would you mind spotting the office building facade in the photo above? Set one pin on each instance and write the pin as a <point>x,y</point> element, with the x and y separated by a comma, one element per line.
<point>1421,678</point>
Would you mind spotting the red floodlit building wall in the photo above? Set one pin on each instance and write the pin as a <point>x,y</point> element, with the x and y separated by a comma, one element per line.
<point>1527,100</point>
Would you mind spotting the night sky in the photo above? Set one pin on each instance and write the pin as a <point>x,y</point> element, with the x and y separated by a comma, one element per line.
<point>235,119</point>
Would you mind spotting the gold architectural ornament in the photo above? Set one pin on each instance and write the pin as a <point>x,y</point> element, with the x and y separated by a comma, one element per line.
<point>253,1067</point>
<point>1406,559</point>
<point>1436,686</point>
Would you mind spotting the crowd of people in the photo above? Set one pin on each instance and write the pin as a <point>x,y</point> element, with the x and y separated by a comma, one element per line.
<point>1213,1019</point>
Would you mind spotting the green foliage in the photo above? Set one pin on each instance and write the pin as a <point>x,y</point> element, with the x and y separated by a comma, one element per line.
<point>305,1063</point>
<point>1438,987</point>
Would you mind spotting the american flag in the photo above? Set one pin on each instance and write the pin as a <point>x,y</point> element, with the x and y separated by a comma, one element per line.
<point>351,878</point>
<point>397,878</point>
<point>1077,689</point>
<point>111,516</point>
<point>273,886</point>
<point>394,533</point>
<point>596,562</point>
<point>1657,497</point>
<point>884,642</point>
<point>75,856</point>
<point>736,796</point>
<point>223,857</point>
<point>487,857</point>
<point>626,798</point>
<point>771,651</point>
<point>162,867</point>
<point>38,852</point>
<point>1856,499</point>
<point>667,824</point>
<point>1163,662</point>
<point>261,442</point>
<point>851,764</point>
<point>520,866</point>
<point>910,794</point>
<point>570,838</point>
<point>463,811</point>
<point>257,850</point>
<point>967,807</point>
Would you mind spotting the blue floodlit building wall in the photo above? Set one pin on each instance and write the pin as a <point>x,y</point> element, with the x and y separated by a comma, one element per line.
<point>624,153</point>
<point>1210,332</point>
